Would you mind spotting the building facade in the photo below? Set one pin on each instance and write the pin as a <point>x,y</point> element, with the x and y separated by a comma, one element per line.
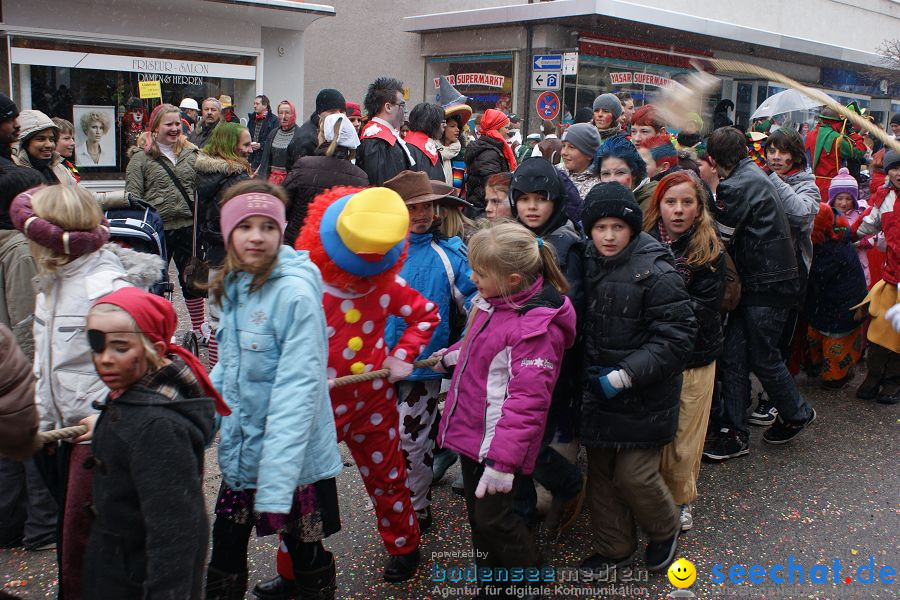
<point>489,47</point>
<point>73,58</point>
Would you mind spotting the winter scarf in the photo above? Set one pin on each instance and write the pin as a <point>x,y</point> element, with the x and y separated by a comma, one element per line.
<point>293,120</point>
<point>492,121</point>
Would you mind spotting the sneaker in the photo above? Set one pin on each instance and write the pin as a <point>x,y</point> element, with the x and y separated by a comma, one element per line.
<point>204,334</point>
<point>661,554</point>
<point>443,460</point>
<point>686,518</point>
<point>765,413</point>
<point>784,431</point>
<point>888,398</point>
<point>598,566</point>
<point>457,486</point>
<point>730,444</point>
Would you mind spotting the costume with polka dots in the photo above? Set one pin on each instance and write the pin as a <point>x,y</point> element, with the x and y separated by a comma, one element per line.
<point>366,414</point>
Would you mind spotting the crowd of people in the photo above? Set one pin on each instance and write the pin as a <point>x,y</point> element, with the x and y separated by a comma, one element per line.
<point>457,293</point>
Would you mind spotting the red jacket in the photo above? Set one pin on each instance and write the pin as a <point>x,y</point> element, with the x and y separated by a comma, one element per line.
<point>881,217</point>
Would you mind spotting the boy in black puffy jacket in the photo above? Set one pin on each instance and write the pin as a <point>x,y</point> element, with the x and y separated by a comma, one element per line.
<point>638,330</point>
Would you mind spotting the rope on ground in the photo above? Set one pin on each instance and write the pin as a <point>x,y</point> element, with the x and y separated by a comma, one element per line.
<point>55,435</point>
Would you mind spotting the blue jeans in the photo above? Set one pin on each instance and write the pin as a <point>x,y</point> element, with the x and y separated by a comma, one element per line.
<point>752,338</point>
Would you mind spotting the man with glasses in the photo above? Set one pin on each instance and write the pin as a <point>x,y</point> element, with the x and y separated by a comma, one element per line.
<point>382,154</point>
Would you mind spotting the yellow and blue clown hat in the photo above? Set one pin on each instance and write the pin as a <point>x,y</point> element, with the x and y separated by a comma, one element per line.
<point>365,233</point>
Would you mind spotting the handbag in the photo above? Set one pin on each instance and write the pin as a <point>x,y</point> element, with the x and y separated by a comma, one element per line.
<point>195,276</point>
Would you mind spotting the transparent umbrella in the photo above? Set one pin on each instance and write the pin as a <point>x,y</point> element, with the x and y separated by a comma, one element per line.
<point>784,102</point>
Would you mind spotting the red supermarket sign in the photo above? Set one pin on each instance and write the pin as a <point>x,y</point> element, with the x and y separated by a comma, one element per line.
<point>626,77</point>
<point>482,79</point>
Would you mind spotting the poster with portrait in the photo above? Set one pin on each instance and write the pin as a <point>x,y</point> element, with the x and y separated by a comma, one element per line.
<point>95,136</point>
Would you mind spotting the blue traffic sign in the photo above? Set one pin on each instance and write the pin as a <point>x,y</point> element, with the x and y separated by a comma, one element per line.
<point>547,62</point>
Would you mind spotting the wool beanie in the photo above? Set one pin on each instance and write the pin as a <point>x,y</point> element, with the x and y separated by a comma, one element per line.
<point>583,136</point>
<point>330,99</point>
<point>891,160</point>
<point>610,103</point>
<point>611,199</point>
<point>253,204</point>
<point>895,119</point>
<point>8,108</point>
<point>843,183</point>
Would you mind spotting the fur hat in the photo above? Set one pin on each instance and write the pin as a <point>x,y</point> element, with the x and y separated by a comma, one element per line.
<point>611,199</point>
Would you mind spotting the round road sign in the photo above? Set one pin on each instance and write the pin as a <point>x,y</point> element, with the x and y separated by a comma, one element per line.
<point>548,105</point>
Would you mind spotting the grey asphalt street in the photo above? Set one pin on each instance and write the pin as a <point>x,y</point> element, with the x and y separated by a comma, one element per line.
<point>831,495</point>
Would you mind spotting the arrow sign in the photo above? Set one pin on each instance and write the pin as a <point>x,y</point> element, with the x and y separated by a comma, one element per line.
<point>547,62</point>
<point>545,80</point>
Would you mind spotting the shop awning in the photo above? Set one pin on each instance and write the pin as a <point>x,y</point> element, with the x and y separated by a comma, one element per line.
<point>642,22</point>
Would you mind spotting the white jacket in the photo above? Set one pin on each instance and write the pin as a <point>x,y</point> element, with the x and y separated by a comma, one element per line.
<point>67,383</point>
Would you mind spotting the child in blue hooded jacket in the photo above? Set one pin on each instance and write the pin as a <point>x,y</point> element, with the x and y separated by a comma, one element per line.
<point>277,450</point>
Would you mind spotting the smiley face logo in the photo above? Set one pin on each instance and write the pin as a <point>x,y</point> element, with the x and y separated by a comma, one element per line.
<point>682,573</point>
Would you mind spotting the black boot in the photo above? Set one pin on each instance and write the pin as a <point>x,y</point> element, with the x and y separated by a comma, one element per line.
<point>225,586</point>
<point>402,566</point>
<point>318,584</point>
<point>277,588</point>
<point>876,360</point>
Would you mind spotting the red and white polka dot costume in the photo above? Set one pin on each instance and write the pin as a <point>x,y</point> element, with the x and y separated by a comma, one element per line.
<point>366,414</point>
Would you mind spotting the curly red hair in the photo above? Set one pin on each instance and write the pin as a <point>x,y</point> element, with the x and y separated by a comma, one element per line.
<point>332,274</point>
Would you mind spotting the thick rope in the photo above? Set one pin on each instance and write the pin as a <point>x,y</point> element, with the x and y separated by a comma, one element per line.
<point>735,66</point>
<point>56,435</point>
<point>363,377</point>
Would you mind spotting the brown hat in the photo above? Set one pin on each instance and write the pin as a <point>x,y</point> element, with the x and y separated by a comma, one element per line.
<point>413,186</point>
<point>449,194</point>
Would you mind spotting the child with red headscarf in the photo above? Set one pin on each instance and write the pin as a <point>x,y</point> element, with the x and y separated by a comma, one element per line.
<point>148,446</point>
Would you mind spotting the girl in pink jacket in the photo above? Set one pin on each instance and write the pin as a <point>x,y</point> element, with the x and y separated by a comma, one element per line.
<point>505,369</point>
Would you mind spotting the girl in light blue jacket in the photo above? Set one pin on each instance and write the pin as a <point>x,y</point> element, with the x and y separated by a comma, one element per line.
<point>278,449</point>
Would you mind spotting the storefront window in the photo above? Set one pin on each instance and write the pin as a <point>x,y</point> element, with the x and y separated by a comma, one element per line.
<point>103,101</point>
<point>486,79</point>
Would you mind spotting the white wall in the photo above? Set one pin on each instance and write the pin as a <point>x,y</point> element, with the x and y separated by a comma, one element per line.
<point>856,24</point>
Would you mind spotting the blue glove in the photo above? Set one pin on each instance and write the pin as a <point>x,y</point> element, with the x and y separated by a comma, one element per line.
<point>609,390</point>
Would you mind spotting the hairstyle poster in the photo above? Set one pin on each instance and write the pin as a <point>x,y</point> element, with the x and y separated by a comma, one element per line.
<point>95,136</point>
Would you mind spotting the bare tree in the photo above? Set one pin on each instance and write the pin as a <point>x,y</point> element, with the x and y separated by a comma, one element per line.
<point>890,54</point>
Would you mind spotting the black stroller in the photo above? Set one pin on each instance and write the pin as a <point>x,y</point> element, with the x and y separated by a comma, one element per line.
<point>135,224</point>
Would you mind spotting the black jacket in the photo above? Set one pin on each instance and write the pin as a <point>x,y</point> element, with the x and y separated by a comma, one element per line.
<point>756,231</point>
<point>268,124</point>
<point>638,318</point>
<point>150,532</point>
<point>293,152</point>
<point>214,176</point>
<point>380,160</point>
<point>311,176</point>
<point>200,136</point>
<point>705,285</point>
<point>484,157</point>
<point>6,156</point>
<point>309,136</point>
<point>423,163</point>
<point>836,282</point>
